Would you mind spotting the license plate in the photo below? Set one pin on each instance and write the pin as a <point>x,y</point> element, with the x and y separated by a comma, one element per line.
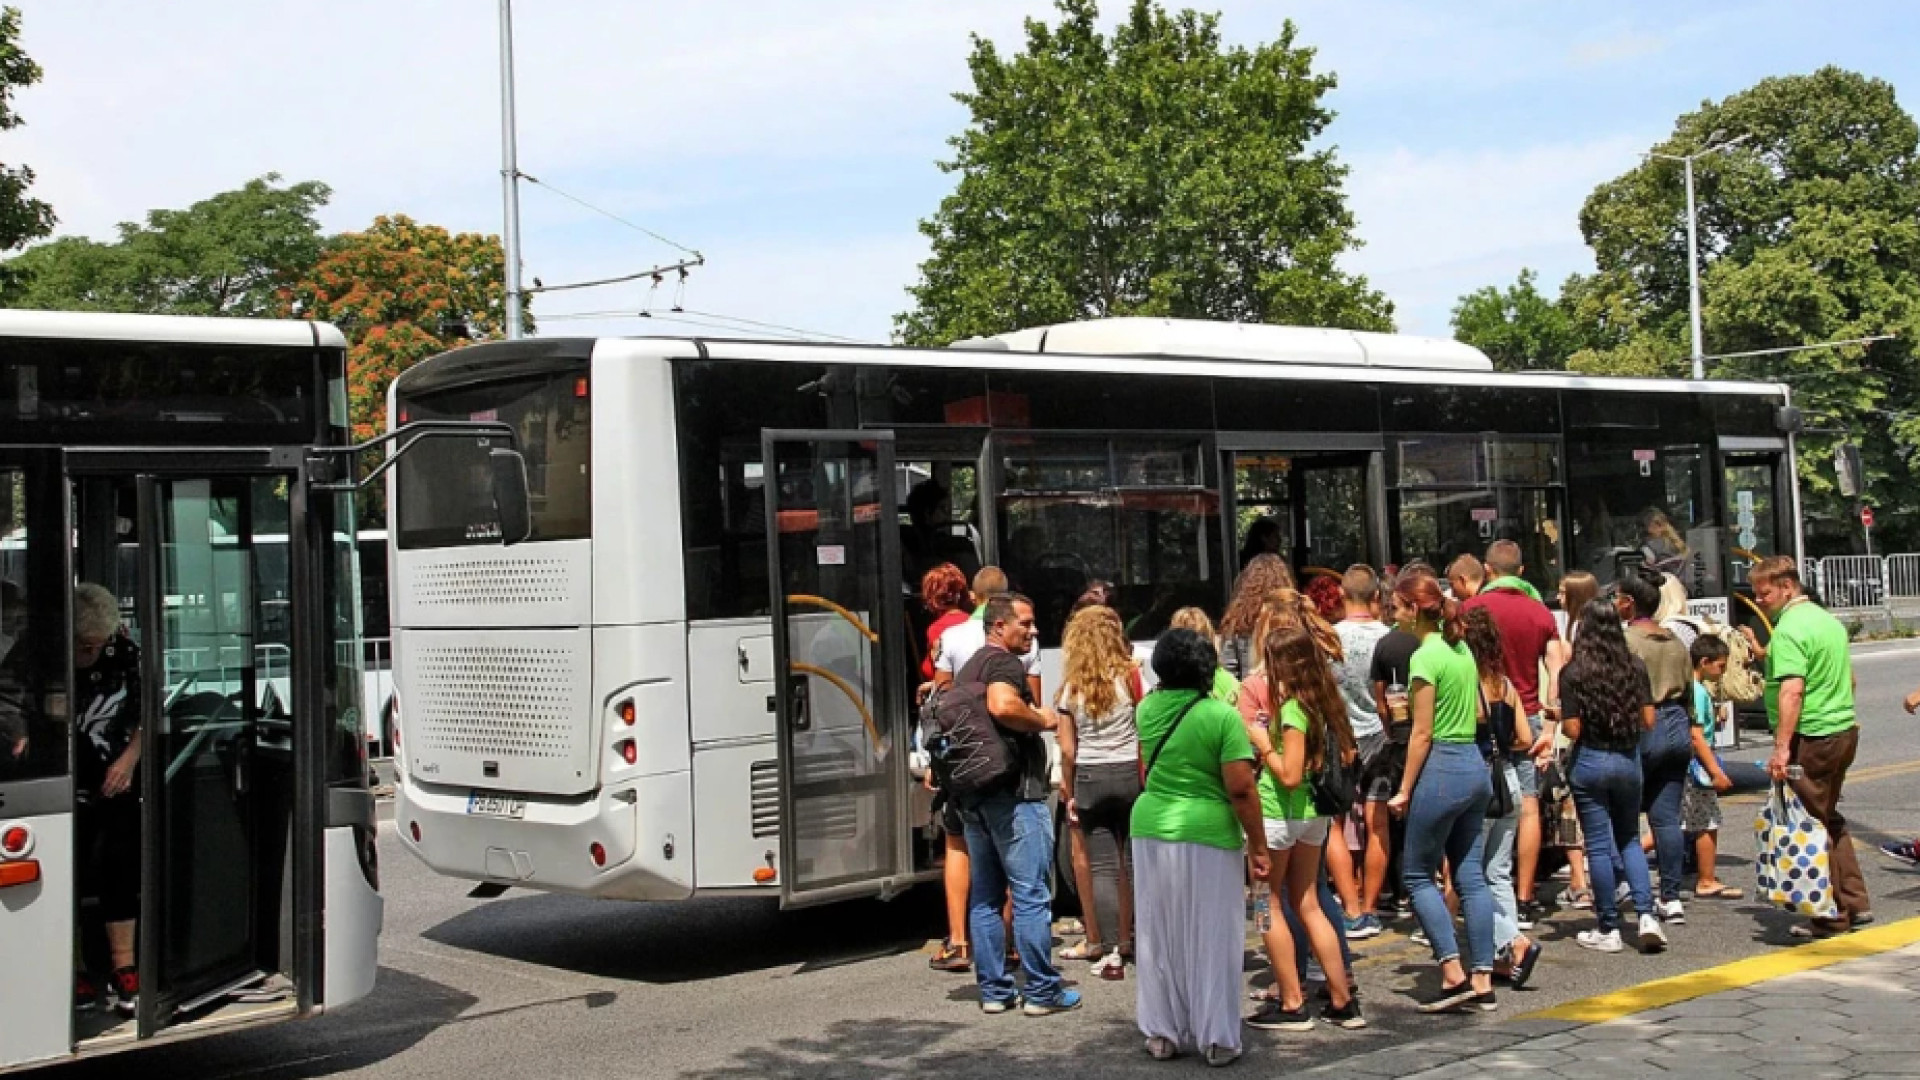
<point>488,804</point>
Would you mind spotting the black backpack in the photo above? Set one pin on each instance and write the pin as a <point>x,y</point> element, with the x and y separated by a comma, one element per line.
<point>971,754</point>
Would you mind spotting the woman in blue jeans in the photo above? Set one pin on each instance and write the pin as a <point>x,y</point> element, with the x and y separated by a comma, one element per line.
<point>1605,709</point>
<point>1666,747</point>
<point>1444,793</point>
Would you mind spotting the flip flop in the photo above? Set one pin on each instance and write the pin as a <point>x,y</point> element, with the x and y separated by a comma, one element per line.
<point>1724,892</point>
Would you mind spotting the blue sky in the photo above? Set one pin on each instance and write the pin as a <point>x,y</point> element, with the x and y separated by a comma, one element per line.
<point>794,143</point>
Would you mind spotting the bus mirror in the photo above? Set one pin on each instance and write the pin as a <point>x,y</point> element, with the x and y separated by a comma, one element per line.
<point>511,504</point>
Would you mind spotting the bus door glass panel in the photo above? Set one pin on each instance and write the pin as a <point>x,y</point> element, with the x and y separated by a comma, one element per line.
<point>1333,518</point>
<point>37,883</point>
<point>1753,513</point>
<point>1645,501</point>
<point>218,755</point>
<point>834,566</point>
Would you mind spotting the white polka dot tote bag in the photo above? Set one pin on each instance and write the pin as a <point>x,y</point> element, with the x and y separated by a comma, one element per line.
<point>1792,867</point>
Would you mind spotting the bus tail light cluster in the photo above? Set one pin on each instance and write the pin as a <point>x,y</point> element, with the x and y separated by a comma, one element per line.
<point>16,843</point>
<point>629,752</point>
<point>597,853</point>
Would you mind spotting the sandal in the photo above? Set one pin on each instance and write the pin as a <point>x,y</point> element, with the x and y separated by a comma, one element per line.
<point>1724,892</point>
<point>1580,899</point>
<point>1071,927</point>
<point>1086,950</point>
<point>951,957</point>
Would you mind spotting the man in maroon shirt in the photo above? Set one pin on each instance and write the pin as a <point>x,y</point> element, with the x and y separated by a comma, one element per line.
<point>1525,626</point>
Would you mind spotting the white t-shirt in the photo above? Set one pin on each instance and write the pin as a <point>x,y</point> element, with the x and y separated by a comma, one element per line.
<point>1355,673</point>
<point>959,642</point>
<point>1112,739</point>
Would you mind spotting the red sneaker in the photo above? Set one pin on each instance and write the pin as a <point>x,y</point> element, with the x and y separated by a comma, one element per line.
<point>86,994</point>
<point>126,990</point>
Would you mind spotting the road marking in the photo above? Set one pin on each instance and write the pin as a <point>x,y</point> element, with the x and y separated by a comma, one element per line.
<point>1854,776</point>
<point>1736,975</point>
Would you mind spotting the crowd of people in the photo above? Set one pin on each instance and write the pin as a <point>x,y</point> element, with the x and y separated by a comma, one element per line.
<point>1332,757</point>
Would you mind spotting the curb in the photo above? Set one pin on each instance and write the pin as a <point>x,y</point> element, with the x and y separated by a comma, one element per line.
<point>1735,975</point>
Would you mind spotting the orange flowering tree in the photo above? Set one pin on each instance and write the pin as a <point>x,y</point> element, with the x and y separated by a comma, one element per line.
<point>401,291</point>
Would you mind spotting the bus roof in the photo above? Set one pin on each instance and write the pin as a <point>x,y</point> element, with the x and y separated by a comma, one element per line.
<point>186,330</point>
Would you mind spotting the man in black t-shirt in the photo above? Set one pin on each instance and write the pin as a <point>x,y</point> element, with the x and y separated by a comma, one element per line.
<point>1009,833</point>
<point>1392,658</point>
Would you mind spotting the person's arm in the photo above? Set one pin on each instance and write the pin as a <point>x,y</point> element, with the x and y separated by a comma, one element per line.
<point>1011,711</point>
<point>1420,701</point>
<point>942,678</point>
<point>1243,791</point>
<point>1793,695</point>
<point>1381,709</point>
<point>1033,688</point>
<point>1066,733</point>
<point>1708,759</point>
<point>1912,703</point>
<point>1522,730</point>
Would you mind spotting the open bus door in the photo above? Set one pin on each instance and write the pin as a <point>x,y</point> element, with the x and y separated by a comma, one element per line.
<point>36,790</point>
<point>834,572</point>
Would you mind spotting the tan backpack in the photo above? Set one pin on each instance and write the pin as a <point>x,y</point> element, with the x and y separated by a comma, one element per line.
<point>1745,682</point>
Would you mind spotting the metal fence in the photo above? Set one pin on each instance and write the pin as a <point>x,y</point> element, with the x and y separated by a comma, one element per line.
<point>1864,583</point>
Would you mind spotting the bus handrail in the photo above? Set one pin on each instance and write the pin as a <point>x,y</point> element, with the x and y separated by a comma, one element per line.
<point>808,600</point>
<point>866,717</point>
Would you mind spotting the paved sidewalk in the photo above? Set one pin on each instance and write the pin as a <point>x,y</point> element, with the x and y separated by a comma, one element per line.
<point>1839,1009</point>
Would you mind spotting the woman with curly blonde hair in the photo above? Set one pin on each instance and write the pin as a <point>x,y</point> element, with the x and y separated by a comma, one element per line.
<point>1263,576</point>
<point>1100,774</point>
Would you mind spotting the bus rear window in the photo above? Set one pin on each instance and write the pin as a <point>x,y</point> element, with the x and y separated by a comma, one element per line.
<point>444,489</point>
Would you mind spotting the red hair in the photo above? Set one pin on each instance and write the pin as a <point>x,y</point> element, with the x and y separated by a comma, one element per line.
<point>943,588</point>
<point>1422,595</point>
<point>1327,596</point>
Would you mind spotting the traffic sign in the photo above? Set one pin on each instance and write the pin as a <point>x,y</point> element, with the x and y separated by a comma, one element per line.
<point>1866,516</point>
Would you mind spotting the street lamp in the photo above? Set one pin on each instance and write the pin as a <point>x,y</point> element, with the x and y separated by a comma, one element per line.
<point>1693,246</point>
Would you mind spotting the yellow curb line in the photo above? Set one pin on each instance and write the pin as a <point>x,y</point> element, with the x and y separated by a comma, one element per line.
<point>1736,975</point>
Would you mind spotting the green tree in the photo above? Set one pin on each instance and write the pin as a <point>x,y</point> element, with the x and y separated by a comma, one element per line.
<point>1156,173</point>
<point>230,254</point>
<point>1809,232</point>
<point>1518,329</point>
<point>22,217</point>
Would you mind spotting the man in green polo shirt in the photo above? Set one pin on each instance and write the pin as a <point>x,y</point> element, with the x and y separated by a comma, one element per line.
<point>1810,707</point>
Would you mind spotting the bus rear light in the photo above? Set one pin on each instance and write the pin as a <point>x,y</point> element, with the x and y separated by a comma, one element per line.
<point>597,853</point>
<point>414,828</point>
<point>16,841</point>
<point>628,751</point>
<point>625,709</point>
<point>580,387</point>
<point>21,872</point>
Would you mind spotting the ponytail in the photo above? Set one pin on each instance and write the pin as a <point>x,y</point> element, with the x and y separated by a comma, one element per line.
<point>1422,595</point>
<point>1453,625</point>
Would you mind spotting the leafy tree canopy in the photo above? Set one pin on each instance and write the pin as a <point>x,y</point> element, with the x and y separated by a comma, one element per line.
<point>230,254</point>
<point>1157,172</point>
<point>22,217</point>
<point>401,291</point>
<point>1517,327</point>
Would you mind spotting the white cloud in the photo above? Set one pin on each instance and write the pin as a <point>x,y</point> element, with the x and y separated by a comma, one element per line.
<point>1613,49</point>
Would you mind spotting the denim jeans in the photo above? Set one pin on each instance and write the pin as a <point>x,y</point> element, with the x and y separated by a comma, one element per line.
<point>1447,816</point>
<point>1498,862</point>
<point>1664,754</point>
<point>1010,843</point>
<point>1606,791</point>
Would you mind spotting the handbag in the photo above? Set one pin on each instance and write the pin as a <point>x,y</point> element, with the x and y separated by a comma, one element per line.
<point>1502,802</point>
<point>1793,867</point>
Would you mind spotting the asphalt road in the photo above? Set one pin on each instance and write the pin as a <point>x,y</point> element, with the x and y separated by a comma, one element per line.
<point>547,987</point>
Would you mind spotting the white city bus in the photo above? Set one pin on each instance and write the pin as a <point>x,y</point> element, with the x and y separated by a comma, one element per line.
<point>697,675</point>
<point>191,467</point>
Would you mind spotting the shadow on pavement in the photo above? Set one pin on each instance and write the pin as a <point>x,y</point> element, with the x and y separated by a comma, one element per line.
<point>402,1010</point>
<point>693,939</point>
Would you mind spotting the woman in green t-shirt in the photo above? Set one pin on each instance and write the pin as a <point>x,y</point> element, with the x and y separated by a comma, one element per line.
<point>1294,739</point>
<point>1444,794</point>
<point>1199,812</point>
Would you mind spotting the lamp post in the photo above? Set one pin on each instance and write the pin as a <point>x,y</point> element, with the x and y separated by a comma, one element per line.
<point>509,173</point>
<point>1693,247</point>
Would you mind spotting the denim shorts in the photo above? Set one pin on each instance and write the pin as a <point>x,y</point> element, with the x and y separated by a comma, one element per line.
<point>1528,775</point>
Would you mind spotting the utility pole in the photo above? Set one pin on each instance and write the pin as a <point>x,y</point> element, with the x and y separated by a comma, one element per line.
<point>510,174</point>
<point>1693,249</point>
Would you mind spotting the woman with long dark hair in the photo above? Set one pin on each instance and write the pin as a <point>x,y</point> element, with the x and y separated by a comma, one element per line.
<point>1297,722</point>
<point>1667,747</point>
<point>1605,708</point>
<point>1504,737</point>
<point>1443,795</point>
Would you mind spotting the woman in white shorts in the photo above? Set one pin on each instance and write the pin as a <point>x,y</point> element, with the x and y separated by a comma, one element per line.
<point>1293,736</point>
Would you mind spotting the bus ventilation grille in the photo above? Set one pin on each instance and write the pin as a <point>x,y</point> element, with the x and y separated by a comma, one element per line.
<point>506,580</point>
<point>497,701</point>
<point>765,782</point>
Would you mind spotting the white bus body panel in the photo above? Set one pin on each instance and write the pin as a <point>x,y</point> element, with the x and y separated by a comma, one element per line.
<point>639,573</point>
<point>36,949</point>
<point>354,916</point>
<point>548,584</point>
<point>505,710</point>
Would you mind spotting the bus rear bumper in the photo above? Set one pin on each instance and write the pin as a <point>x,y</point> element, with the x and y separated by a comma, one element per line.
<point>634,842</point>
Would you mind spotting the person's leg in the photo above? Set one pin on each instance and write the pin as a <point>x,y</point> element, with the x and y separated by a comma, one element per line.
<point>1596,826</point>
<point>1279,938</point>
<point>1660,799</point>
<point>1497,866</point>
<point>956,877</point>
<point>1430,818</point>
<point>1374,878</point>
<point>1163,897</point>
<point>1706,851</point>
<point>1466,851</point>
<point>1330,905</point>
<point>1303,890</point>
<point>1085,883</point>
<point>1341,873</point>
<point>1028,858</point>
<point>1527,838</point>
<point>1623,811</point>
<point>1824,763</point>
<point>989,833</point>
<point>1096,796</point>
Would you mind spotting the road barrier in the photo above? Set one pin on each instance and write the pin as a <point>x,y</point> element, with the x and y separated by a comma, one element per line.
<point>1868,583</point>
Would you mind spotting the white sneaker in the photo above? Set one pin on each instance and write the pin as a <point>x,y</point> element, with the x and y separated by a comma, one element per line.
<point>1653,936</point>
<point>1609,941</point>
<point>1671,911</point>
<point>1622,894</point>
